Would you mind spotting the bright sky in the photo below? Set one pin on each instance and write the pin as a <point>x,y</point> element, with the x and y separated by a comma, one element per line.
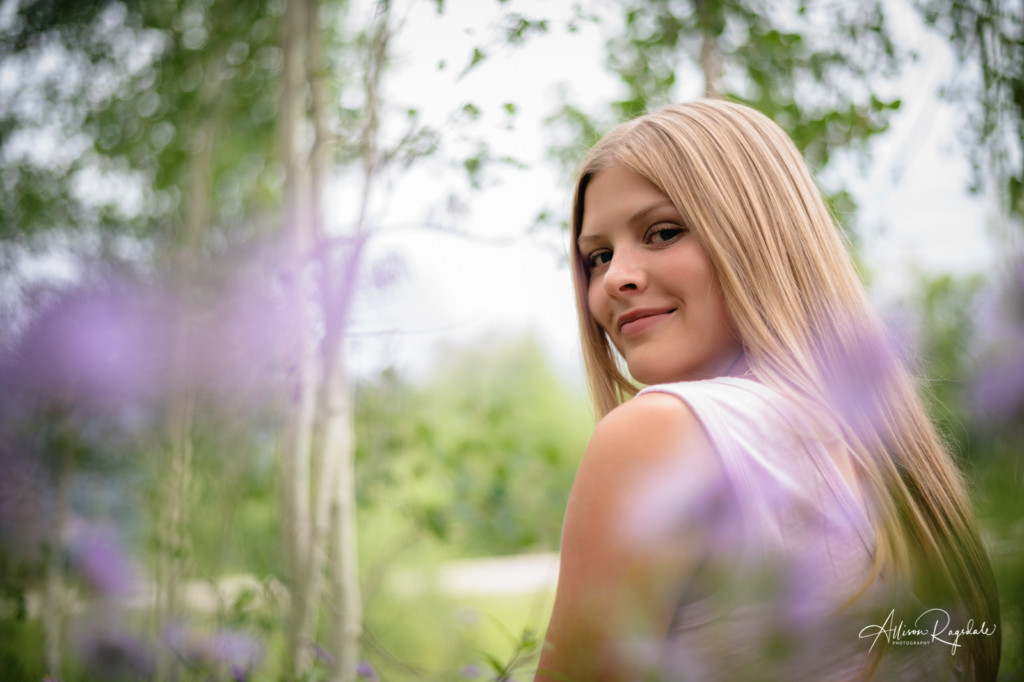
<point>916,214</point>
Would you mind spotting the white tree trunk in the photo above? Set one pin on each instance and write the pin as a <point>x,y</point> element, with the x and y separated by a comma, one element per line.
<point>334,529</point>
<point>347,608</point>
<point>303,380</point>
<point>322,464</point>
<point>710,56</point>
<point>319,452</point>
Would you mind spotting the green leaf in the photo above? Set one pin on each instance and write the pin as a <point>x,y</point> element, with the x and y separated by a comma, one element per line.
<point>474,61</point>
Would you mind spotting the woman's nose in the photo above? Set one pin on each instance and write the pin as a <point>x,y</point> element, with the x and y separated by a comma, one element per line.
<point>623,276</point>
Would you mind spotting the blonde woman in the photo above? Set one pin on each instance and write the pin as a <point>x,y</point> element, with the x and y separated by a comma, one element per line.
<point>775,504</point>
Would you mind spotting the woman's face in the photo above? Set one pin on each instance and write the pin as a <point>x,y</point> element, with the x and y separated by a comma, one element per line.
<point>652,288</point>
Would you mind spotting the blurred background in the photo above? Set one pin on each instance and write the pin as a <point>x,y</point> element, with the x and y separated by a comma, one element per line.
<point>289,379</point>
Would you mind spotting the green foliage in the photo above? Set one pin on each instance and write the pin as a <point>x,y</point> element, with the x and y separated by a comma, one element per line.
<point>527,648</point>
<point>214,84</point>
<point>988,35</point>
<point>817,84</point>
<point>234,528</point>
<point>944,307</point>
<point>478,56</point>
<point>484,452</point>
<point>479,638</point>
<point>21,650</point>
<point>519,28</point>
<point>154,88</point>
<point>951,359</point>
<point>477,458</point>
<point>812,69</point>
<point>415,628</point>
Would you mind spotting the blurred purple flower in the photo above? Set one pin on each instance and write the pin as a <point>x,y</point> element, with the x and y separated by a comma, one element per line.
<point>386,270</point>
<point>998,389</point>
<point>235,652</point>
<point>117,343</point>
<point>100,343</point>
<point>365,670</point>
<point>323,655</point>
<point>241,336</point>
<point>98,555</point>
<point>676,494</point>
<point>471,671</point>
<point>860,369</point>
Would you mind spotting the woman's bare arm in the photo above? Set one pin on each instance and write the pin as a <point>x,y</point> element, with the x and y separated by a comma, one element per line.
<point>628,543</point>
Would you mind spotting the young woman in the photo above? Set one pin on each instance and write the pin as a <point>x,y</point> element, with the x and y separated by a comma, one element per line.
<point>775,504</point>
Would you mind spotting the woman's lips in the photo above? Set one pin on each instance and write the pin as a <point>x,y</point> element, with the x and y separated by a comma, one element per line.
<point>638,323</point>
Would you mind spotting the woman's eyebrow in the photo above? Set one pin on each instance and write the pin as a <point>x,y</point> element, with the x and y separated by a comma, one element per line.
<point>642,213</point>
<point>635,218</point>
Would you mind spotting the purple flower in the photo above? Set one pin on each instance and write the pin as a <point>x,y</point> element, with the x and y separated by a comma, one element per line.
<point>471,671</point>
<point>365,671</point>
<point>234,649</point>
<point>101,343</point>
<point>998,388</point>
<point>235,652</point>
<point>239,336</point>
<point>856,371</point>
<point>97,553</point>
<point>323,655</point>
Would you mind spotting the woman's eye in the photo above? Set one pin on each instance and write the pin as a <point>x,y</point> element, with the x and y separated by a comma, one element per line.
<point>665,234</point>
<point>599,258</point>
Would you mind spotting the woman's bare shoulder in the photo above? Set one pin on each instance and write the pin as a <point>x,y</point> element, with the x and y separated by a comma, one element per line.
<point>648,429</point>
<point>645,454</point>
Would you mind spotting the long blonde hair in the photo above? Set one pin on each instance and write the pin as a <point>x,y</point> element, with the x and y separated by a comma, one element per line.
<point>808,332</point>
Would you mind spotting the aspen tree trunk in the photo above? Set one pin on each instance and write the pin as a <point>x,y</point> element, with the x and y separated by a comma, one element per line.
<point>302,388</point>
<point>710,55</point>
<point>338,435</point>
<point>347,609</point>
<point>334,446</point>
<point>335,511</point>
<point>333,544</point>
<point>322,464</point>
<point>319,468</point>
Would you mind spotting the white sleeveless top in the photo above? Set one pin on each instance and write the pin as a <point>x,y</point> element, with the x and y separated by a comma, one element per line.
<point>787,546</point>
